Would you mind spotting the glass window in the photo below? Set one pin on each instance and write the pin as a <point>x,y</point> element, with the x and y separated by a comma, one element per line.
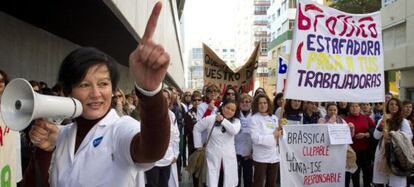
<point>292,3</point>
<point>291,24</point>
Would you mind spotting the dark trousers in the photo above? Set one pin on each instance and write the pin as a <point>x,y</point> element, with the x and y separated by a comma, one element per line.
<point>265,171</point>
<point>158,176</point>
<point>247,167</point>
<point>364,164</point>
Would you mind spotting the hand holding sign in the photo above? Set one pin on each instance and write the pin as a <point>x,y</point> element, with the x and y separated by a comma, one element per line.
<point>149,62</point>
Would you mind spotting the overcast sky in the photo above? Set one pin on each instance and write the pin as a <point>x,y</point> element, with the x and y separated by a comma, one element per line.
<point>209,19</point>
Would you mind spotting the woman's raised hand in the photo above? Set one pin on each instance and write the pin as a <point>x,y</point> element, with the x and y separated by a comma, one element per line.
<point>149,61</point>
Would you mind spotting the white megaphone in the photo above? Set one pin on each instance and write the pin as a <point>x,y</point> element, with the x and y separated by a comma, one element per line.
<point>20,105</point>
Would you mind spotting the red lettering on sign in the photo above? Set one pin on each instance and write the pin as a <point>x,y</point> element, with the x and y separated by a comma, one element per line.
<point>1,136</point>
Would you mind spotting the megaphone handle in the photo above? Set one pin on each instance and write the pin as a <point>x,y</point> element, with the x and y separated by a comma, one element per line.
<point>74,111</point>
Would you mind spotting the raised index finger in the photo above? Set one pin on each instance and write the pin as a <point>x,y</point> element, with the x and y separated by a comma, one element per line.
<point>152,22</point>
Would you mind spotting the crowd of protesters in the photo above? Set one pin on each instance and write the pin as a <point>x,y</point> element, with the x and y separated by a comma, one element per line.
<point>149,129</point>
<point>243,144</point>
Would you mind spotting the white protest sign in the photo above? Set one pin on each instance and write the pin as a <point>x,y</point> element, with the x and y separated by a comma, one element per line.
<point>339,134</point>
<point>335,56</point>
<point>307,159</point>
<point>281,74</point>
<point>9,147</point>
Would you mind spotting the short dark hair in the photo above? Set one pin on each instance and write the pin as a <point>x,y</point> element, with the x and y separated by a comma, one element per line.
<point>75,66</point>
<point>236,95</point>
<point>5,77</point>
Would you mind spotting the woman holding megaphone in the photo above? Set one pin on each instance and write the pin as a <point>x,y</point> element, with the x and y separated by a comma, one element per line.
<point>100,148</point>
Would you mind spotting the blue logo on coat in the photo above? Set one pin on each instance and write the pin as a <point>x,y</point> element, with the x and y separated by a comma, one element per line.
<point>97,141</point>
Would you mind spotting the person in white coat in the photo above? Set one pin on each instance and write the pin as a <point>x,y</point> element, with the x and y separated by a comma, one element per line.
<point>264,132</point>
<point>395,122</point>
<point>100,148</point>
<point>209,105</point>
<point>220,151</point>
<point>159,175</point>
<point>244,142</point>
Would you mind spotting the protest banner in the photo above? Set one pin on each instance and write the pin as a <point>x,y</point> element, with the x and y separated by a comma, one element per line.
<point>335,56</point>
<point>281,74</point>
<point>9,147</point>
<point>219,73</point>
<point>308,159</point>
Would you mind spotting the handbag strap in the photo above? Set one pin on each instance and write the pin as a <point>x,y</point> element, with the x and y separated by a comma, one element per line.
<point>208,139</point>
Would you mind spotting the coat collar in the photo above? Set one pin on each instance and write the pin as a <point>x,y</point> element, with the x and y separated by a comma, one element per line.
<point>108,120</point>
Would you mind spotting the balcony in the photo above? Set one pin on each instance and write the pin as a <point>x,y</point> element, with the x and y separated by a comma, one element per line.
<point>262,75</point>
<point>260,12</point>
<point>260,23</point>
<point>262,34</point>
<point>261,3</point>
<point>262,64</point>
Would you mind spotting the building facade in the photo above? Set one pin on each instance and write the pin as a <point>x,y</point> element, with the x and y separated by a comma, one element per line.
<point>398,42</point>
<point>196,66</point>
<point>36,36</point>
<point>281,16</point>
<point>260,33</point>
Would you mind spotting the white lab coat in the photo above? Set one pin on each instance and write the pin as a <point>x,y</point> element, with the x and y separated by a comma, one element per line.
<point>174,147</point>
<point>201,109</point>
<point>243,139</point>
<point>102,159</point>
<point>219,148</point>
<point>172,151</point>
<point>265,149</point>
<point>378,176</point>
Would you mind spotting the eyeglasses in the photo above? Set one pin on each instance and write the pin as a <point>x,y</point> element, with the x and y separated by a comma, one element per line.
<point>211,91</point>
<point>245,102</point>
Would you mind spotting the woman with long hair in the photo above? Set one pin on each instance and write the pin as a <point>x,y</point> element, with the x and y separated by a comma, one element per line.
<point>220,151</point>
<point>394,122</point>
<point>364,127</point>
<point>263,131</point>
<point>119,103</point>
<point>277,102</point>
